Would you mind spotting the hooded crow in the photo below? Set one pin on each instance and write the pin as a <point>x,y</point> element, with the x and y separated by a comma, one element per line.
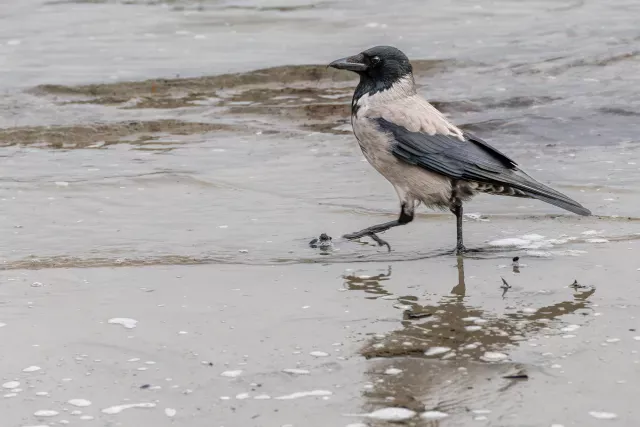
<point>423,155</point>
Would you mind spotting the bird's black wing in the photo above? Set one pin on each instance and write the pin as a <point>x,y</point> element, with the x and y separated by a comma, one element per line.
<point>470,160</point>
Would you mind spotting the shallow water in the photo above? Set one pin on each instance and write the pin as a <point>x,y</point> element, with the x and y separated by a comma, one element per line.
<point>168,163</point>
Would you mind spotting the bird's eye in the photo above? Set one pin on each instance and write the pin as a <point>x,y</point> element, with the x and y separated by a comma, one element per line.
<point>375,60</point>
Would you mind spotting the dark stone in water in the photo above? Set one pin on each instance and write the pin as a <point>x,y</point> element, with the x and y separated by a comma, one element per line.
<point>322,242</point>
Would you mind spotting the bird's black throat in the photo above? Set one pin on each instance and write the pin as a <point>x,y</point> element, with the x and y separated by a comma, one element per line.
<point>369,85</point>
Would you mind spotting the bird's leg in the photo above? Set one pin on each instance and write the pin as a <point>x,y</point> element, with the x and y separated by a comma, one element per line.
<point>406,216</point>
<point>457,211</point>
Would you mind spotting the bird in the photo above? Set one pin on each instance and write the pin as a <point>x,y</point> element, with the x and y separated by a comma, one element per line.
<point>427,159</point>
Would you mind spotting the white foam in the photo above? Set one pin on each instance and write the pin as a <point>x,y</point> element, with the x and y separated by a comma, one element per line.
<point>513,241</point>
<point>391,414</point>
<point>603,415</point>
<point>637,338</point>
<point>570,328</point>
<point>31,369</point>
<point>492,356</point>
<point>119,408</point>
<point>11,384</point>
<point>539,254</point>
<point>433,415</point>
<point>10,395</point>
<point>434,351</point>
<point>298,395</point>
<point>294,371</point>
<point>242,396</point>
<point>533,242</point>
<point>231,374</point>
<point>124,321</point>
<point>481,411</point>
<point>170,412</point>
<point>475,217</point>
<point>262,397</point>
<point>393,371</point>
<point>597,241</point>
<point>613,340</point>
<point>86,417</point>
<point>42,393</point>
<point>533,237</point>
<point>45,413</point>
<point>472,328</point>
<point>79,402</point>
<point>319,354</point>
<point>2,325</point>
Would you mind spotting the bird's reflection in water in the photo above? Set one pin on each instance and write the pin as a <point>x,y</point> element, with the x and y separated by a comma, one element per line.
<point>438,359</point>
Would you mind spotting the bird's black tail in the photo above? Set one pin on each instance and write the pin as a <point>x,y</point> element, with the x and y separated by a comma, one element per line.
<point>564,202</point>
<point>535,189</point>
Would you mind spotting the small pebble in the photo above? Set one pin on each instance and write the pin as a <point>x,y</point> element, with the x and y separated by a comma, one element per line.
<point>294,371</point>
<point>433,415</point>
<point>603,415</point>
<point>45,413</point>
<point>11,384</point>
<point>391,414</point>
<point>491,356</point>
<point>79,402</point>
<point>433,351</point>
<point>124,321</point>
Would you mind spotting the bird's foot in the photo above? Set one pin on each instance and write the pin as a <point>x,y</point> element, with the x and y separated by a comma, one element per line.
<point>374,237</point>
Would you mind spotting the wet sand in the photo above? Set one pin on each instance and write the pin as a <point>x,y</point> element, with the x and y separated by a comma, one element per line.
<point>158,191</point>
<point>196,324</point>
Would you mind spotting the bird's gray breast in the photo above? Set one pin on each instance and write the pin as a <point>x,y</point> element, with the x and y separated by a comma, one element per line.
<point>375,144</point>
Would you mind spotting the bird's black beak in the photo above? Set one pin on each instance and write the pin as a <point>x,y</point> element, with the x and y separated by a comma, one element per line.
<point>351,63</point>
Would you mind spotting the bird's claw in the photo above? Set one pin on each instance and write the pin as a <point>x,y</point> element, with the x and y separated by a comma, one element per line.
<point>380,242</point>
<point>374,237</point>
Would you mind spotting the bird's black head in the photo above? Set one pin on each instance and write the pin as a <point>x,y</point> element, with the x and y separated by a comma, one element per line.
<point>379,68</point>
